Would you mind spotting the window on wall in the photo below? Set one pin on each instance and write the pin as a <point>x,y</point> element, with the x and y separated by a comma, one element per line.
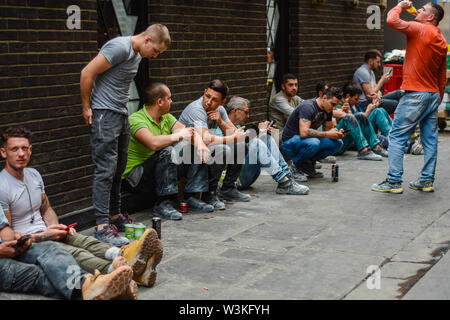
<point>125,18</point>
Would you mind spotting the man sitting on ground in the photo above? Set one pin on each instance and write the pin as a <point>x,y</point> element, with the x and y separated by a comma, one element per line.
<point>152,165</point>
<point>303,142</point>
<point>262,152</point>
<point>26,205</point>
<point>207,113</point>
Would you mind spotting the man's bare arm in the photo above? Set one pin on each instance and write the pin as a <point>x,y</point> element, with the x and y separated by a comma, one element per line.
<point>307,132</point>
<point>48,214</point>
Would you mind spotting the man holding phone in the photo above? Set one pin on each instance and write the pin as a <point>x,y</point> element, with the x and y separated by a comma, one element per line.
<point>263,151</point>
<point>28,211</point>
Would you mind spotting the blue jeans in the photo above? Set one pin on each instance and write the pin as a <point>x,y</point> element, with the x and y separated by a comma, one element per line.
<point>381,121</point>
<point>57,264</point>
<point>303,149</point>
<point>263,152</point>
<point>414,108</point>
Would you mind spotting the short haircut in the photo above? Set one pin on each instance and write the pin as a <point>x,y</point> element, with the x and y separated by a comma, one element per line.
<point>352,89</point>
<point>159,34</point>
<point>321,86</point>
<point>333,92</point>
<point>372,54</point>
<point>219,86</point>
<point>237,103</point>
<point>154,92</point>
<point>15,132</point>
<point>438,12</point>
<point>288,76</point>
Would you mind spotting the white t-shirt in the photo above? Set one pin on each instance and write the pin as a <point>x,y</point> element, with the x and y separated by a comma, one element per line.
<point>23,200</point>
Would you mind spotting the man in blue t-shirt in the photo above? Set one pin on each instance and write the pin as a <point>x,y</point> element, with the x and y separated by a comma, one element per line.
<point>303,142</point>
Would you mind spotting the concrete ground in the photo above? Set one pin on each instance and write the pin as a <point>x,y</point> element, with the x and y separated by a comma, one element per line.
<point>342,241</point>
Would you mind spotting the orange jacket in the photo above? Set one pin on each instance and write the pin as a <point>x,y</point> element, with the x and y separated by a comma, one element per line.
<point>425,65</point>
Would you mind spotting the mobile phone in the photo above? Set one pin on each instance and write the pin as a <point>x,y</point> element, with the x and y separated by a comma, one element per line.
<point>72,225</point>
<point>22,241</point>
<point>347,131</point>
<point>273,122</point>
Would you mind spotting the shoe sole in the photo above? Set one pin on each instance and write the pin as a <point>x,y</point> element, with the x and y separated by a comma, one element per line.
<point>231,199</point>
<point>148,278</point>
<point>396,191</point>
<point>115,286</point>
<point>427,189</point>
<point>146,250</point>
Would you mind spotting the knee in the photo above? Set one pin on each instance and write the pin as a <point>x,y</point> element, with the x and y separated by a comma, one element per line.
<point>350,118</point>
<point>313,145</point>
<point>361,117</point>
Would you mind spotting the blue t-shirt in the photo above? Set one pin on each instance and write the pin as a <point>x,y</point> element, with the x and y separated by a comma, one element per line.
<point>308,109</point>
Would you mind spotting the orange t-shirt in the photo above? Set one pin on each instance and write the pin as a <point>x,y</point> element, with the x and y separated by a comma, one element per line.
<point>425,65</point>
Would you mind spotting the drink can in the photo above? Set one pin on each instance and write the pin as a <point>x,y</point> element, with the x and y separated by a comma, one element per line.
<point>129,231</point>
<point>183,207</point>
<point>156,224</point>
<point>334,173</point>
<point>139,230</point>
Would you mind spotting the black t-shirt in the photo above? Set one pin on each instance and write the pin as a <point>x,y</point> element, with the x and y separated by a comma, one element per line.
<point>308,109</point>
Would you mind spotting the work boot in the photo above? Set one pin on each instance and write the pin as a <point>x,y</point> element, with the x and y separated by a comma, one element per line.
<point>425,186</point>
<point>292,187</point>
<point>214,200</point>
<point>120,221</point>
<point>308,168</point>
<point>233,194</point>
<point>110,234</point>
<point>131,293</point>
<point>197,205</point>
<point>165,210</point>
<point>138,252</point>
<point>148,277</point>
<point>297,174</point>
<point>329,159</point>
<point>106,287</point>
<point>388,187</point>
<point>368,155</point>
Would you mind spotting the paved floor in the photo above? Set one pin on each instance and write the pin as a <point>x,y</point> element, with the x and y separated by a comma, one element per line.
<point>340,242</point>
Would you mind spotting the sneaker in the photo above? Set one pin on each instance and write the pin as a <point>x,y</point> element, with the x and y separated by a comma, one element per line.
<point>368,155</point>
<point>197,205</point>
<point>417,147</point>
<point>380,151</point>
<point>165,210</point>
<point>106,287</point>
<point>110,234</point>
<point>138,252</point>
<point>292,187</point>
<point>329,159</point>
<point>387,186</point>
<point>317,165</point>
<point>297,174</point>
<point>233,194</point>
<point>215,202</point>
<point>426,186</point>
<point>148,277</point>
<point>308,168</point>
<point>120,221</point>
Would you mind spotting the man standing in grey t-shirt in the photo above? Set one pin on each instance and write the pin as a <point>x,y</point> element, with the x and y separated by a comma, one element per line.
<point>105,83</point>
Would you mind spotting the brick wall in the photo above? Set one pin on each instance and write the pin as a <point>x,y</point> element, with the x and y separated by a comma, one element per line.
<point>328,42</point>
<point>213,39</point>
<point>40,64</point>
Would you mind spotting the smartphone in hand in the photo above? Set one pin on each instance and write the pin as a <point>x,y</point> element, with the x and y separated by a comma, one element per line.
<point>21,241</point>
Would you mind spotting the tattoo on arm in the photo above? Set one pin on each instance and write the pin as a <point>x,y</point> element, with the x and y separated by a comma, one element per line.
<point>44,204</point>
<point>44,237</point>
<point>316,133</point>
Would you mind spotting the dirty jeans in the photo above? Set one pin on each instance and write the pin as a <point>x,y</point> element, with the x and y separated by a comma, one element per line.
<point>414,108</point>
<point>361,132</point>
<point>381,121</point>
<point>232,157</point>
<point>161,173</point>
<point>109,136</point>
<point>303,149</point>
<point>88,252</point>
<point>58,265</point>
<point>263,152</point>
<point>19,277</point>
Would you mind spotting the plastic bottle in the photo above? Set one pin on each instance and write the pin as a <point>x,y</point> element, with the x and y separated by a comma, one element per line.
<point>412,11</point>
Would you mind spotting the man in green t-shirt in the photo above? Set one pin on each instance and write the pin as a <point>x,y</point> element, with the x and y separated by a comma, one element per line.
<point>153,156</point>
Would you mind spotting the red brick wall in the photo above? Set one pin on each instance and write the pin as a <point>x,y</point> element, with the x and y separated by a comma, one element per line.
<point>328,42</point>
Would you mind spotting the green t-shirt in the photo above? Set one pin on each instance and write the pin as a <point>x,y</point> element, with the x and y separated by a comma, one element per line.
<point>137,152</point>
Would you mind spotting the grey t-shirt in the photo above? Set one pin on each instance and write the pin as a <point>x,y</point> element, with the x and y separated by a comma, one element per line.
<point>23,200</point>
<point>195,116</point>
<point>280,108</point>
<point>3,221</point>
<point>364,75</point>
<point>110,90</point>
